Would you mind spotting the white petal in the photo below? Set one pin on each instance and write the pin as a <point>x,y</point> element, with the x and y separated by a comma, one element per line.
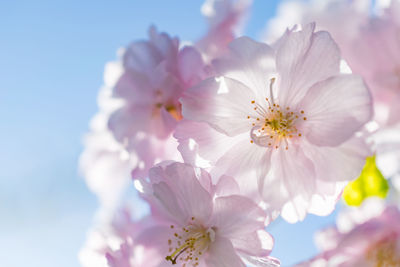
<point>235,216</point>
<point>222,254</point>
<point>194,198</point>
<point>224,103</point>
<point>342,163</point>
<point>290,183</point>
<point>249,62</point>
<point>303,59</point>
<point>335,109</point>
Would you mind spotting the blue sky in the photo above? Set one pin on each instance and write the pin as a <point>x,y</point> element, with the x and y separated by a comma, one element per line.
<point>52,58</point>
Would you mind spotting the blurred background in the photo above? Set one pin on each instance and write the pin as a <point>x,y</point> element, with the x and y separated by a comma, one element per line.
<point>51,66</point>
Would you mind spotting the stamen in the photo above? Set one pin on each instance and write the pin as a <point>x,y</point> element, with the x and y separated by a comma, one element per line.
<point>274,124</point>
<point>195,240</point>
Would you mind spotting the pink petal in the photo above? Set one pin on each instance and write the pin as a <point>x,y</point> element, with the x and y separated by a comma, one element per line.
<point>242,161</point>
<point>225,20</point>
<point>235,216</point>
<point>332,120</point>
<point>303,59</point>
<point>258,243</point>
<point>290,183</point>
<point>222,102</point>
<point>134,87</point>
<point>190,65</point>
<point>200,144</point>
<point>263,261</point>
<point>222,254</point>
<point>165,45</point>
<point>183,182</point>
<point>142,56</point>
<point>342,163</point>
<point>128,120</point>
<point>249,62</point>
<point>227,186</point>
<point>172,208</point>
<point>155,243</point>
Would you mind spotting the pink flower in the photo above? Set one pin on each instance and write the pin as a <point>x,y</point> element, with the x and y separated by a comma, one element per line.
<point>369,42</point>
<point>115,244</point>
<point>104,163</point>
<point>284,117</point>
<point>199,225</point>
<point>372,241</point>
<point>376,56</point>
<point>155,74</point>
<point>341,18</point>
<point>225,19</point>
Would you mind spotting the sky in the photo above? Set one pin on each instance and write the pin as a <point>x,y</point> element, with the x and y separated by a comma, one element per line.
<point>52,55</point>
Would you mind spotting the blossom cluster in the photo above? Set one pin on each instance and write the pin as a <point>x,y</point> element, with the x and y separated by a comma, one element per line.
<point>220,136</point>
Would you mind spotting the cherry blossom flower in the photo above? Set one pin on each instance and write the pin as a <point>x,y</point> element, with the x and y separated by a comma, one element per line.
<point>375,55</point>
<point>367,36</point>
<point>225,19</point>
<point>199,225</point>
<point>284,117</point>
<point>368,237</point>
<point>341,18</point>
<point>104,163</point>
<point>114,244</point>
<point>155,74</point>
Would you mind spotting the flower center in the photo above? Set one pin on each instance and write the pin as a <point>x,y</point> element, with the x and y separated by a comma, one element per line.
<point>384,253</point>
<point>189,244</point>
<point>173,109</point>
<point>274,126</point>
<point>175,113</point>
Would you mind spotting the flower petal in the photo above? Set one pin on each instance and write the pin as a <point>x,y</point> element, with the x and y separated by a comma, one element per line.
<point>332,120</point>
<point>258,243</point>
<point>290,183</point>
<point>249,62</point>
<point>227,186</point>
<point>199,144</point>
<point>171,207</point>
<point>235,216</point>
<point>303,59</point>
<point>190,65</point>
<point>342,163</point>
<point>194,199</point>
<point>222,102</point>
<point>134,87</point>
<point>242,161</point>
<point>222,254</point>
<point>128,120</point>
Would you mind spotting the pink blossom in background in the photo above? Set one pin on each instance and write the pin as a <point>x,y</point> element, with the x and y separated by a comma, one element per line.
<point>199,225</point>
<point>114,244</point>
<point>341,18</point>
<point>368,36</point>
<point>376,56</point>
<point>284,117</point>
<point>367,237</point>
<point>156,72</point>
<point>225,19</point>
<point>104,163</point>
